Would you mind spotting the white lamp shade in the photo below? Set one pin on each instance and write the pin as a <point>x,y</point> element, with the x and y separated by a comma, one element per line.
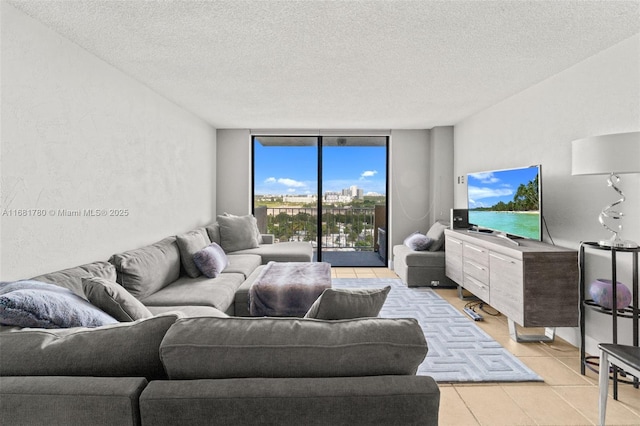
<point>616,153</point>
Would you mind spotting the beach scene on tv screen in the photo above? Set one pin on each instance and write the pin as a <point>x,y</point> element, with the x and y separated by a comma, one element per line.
<point>506,201</point>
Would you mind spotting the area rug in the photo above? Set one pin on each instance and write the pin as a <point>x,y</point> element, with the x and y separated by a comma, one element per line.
<point>459,350</point>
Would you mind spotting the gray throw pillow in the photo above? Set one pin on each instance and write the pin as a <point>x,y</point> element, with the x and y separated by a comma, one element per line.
<point>211,260</point>
<point>37,304</point>
<point>338,304</point>
<point>436,233</point>
<point>238,232</point>
<point>418,242</point>
<point>189,244</point>
<point>213,231</point>
<point>114,299</point>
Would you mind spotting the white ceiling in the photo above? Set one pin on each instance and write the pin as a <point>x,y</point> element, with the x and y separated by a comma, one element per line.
<point>339,64</point>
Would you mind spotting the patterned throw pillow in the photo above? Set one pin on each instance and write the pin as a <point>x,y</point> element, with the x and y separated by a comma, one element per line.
<point>418,242</point>
<point>211,260</point>
<point>37,304</point>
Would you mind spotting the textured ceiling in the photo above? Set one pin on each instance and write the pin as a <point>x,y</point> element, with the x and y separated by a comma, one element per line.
<point>339,64</point>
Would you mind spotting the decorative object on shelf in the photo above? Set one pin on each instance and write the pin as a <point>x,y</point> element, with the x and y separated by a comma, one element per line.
<point>601,291</point>
<point>613,155</point>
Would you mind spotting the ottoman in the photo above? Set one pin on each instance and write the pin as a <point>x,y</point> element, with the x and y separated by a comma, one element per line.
<point>288,288</point>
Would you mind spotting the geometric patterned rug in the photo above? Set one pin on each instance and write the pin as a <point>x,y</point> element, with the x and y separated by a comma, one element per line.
<point>459,350</point>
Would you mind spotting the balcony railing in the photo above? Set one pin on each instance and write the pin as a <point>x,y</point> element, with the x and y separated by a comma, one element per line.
<point>343,228</point>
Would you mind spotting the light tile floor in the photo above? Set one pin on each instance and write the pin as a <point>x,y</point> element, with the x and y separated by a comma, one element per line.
<point>565,398</point>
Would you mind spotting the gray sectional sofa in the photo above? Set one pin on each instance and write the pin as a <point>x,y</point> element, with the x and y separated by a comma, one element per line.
<point>195,360</point>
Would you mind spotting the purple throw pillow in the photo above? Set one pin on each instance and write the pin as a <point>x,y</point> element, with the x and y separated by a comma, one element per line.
<point>211,260</point>
<point>418,242</point>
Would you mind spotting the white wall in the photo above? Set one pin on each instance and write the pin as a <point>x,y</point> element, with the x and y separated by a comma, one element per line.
<point>411,206</point>
<point>234,171</point>
<point>597,96</point>
<point>79,134</point>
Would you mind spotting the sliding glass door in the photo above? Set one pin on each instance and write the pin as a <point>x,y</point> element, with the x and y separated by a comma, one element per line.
<point>346,223</point>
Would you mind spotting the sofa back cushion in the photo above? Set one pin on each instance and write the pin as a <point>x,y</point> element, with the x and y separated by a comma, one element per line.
<point>212,348</point>
<point>148,269</point>
<point>124,349</point>
<point>72,278</point>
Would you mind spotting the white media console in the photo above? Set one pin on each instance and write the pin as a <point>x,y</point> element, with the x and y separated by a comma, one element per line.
<point>533,284</point>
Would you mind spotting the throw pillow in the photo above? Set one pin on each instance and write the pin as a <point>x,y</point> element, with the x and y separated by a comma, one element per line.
<point>37,304</point>
<point>114,299</point>
<point>189,244</point>
<point>417,242</point>
<point>213,231</point>
<point>237,232</point>
<point>337,304</point>
<point>256,230</point>
<point>436,233</point>
<point>211,260</point>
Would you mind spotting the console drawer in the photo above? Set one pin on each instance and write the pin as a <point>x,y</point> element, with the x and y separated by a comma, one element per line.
<point>476,254</point>
<point>476,270</point>
<point>479,289</point>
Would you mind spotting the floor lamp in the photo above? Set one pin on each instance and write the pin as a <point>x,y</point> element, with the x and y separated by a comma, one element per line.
<point>612,155</point>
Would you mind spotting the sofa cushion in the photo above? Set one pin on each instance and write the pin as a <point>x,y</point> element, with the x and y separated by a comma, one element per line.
<point>202,291</point>
<point>418,241</point>
<point>123,349</point>
<point>112,298</point>
<point>189,244</point>
<point>289,251</point>
<point>71,278</point>
<point>211,260</point>
<point>189,311</point>
<point>436,233</point>
<point>337,304</point>
<point>238,232</point>
<point>146,270</point>
<point>243,264</point>
<point>429,259</point>
<point>211,348</point>
<point>37,304</point>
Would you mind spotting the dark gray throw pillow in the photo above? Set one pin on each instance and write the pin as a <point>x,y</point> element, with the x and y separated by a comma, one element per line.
<point>418,241</point>
<point>114,299</point>
<point>436,233</point>
<point>337,304</point>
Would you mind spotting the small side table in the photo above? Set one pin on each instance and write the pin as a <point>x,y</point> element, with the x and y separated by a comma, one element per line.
<point>632,311</point>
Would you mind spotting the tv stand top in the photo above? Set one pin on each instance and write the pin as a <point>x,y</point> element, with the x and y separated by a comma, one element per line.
<point>505,246</point>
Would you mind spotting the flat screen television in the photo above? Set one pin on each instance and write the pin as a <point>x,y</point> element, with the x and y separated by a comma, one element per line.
<point>508,202</point>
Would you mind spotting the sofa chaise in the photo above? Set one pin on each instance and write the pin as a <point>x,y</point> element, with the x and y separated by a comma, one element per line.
<point>423,266</point>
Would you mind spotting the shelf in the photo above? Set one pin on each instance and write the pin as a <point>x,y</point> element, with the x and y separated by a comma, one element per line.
<point>621,313</point>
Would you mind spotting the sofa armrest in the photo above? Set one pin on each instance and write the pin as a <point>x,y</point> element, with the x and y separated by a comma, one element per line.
<point>404,400</point>
<point>268,238</point>
<point>66,400</point>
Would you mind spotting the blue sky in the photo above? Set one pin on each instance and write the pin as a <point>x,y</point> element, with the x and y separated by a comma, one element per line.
<point>293,170</point>
<point>487,188</point>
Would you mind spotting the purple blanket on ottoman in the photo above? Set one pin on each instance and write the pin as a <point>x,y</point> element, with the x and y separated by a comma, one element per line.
<point>288,288</point>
